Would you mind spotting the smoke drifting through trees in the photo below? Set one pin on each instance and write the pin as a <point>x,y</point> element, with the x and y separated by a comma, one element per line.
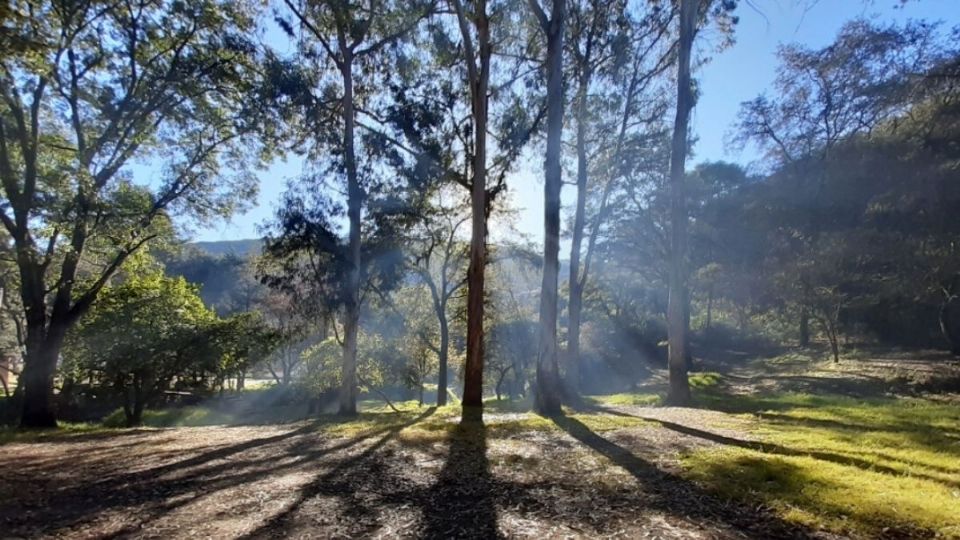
<point>377,275</point>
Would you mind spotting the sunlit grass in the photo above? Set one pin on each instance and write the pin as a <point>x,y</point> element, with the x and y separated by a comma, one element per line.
<point>862,466</point>
<point>64,430</point>
<point>625,399</point>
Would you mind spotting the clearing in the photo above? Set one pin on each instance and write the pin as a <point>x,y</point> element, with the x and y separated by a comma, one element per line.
<point>804,449</point>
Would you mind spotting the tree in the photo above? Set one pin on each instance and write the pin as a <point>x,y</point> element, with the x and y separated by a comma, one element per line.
<point>438,259</point>
<point>548,376</point>
<point>142,334</point>
<point>679,392</point>
<point>830,95</point>
<point>353,37</point>
<point>169,85</point>
<point>477,53</point>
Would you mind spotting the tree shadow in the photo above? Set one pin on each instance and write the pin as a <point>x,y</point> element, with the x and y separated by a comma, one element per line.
<point>161,489</point>
<point>674,495</point>
<point>462,501</point>
<point>339,482</point>
<point>777,449</point>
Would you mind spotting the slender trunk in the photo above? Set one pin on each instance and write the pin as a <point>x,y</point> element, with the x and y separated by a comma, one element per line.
<point>688,349</point>
<point>947,326</point>
<point>804,327</point>
<point>479,82</point>
<point>575,300</point>
<point>499,385</point>
<point>443,358</point>
<point>709,308</point>
<point>241,380</point>
<point>348,387</point>
<point>548,391</point>
<point>136,416</point>
<point>679,392</point>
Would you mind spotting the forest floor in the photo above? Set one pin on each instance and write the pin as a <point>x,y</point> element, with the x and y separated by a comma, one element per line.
<point>758,457</point>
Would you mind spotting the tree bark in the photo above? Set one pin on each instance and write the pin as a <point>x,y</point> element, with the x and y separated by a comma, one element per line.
<point>804,340</point>
<point>548,384</point>
<point>679,392</point>
<point>39,369</point>
<point>348,386</point>
<point>443,357</point>
<point>575,288</point>
<point>479,83</point>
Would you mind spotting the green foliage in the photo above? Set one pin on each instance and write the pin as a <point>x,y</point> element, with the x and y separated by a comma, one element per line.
<point>150,332</point>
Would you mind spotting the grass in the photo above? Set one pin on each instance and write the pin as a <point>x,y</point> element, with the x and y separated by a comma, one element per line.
<point>65,430</point>
<point>856,466</point>
<point>626,399</point>
<point>178,417</point>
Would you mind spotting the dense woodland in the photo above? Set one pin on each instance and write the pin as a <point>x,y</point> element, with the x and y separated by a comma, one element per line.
<point>126,126</point>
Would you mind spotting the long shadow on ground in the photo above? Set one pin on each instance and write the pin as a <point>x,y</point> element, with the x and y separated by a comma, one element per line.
<point>361,487</point>
<point>466,486</point>
<point>674,495</point>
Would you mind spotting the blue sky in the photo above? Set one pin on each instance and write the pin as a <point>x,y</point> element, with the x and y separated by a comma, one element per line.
<point>734,75</point>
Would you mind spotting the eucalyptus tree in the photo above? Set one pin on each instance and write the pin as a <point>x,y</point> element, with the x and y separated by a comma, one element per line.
<point>347,46</point>
<point>101,86</point>
<point>439,258</point>
<point>548,376</point>
<point>679,391</point>
<point>474,119</point>
<point>593,38</point>
<point>693,15</point>
<point>619,52</point>
<point>477,49</point>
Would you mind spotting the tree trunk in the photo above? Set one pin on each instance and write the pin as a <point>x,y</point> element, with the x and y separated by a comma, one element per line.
<point>575,300</point>
<point>443,359</point>
<point>548,391</point>
<point>709,308</point>
<point>241,380</point>
<point>679,392</point>
<point>39,369</point>
<point>479,82</point>
<point>499,385</point>
<point>348,387</point>
<point>947,327</point>
<point>135,414</point>
<point>804,327</point>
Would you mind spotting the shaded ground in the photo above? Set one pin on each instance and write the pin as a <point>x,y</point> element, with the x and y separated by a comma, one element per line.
<point>420,477</point>
<point>615,471</point>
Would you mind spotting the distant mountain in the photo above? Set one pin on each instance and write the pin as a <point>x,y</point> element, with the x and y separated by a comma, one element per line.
<point>239,248</point>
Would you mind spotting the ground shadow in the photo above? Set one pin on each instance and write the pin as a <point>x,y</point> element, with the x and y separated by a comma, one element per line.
<point>677,496</point>
<point>777,449</point>
<point>464,489</point>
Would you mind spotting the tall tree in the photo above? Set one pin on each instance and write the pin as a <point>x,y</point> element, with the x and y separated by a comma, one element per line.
<point>439,260</point>
<point>548,376</point>
<point>679,393</point>
<point>107,84</point>
<point>353,36</point>
<point>477,53</point>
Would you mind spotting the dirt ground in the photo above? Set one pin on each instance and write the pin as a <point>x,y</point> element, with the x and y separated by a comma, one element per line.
<point>395,480</point>
<point>295,481</point>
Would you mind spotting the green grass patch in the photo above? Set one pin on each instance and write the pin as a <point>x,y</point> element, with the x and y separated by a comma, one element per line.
<point>178,417</point>
<point>626,399</point>
<point>65,430</point>
<point>860,466</point>
<point>704,379</point>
